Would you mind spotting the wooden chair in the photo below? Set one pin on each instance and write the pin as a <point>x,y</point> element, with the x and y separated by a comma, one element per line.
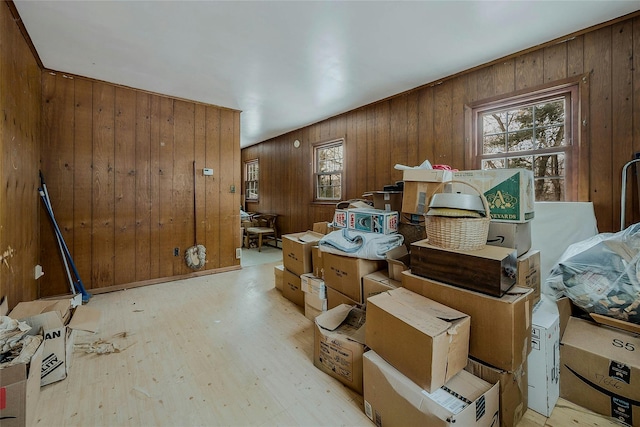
<point>263,226</point>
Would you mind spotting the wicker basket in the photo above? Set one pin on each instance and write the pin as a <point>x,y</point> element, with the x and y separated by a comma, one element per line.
<point>458,233</point>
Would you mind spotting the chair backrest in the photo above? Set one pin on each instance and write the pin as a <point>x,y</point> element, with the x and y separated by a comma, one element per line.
<point>267,220</point>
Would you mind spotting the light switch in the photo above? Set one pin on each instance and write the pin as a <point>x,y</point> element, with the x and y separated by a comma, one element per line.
<point>207,171</point>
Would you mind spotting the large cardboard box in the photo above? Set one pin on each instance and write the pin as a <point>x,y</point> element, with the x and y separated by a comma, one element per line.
<point>296,251</point>
<point>513,389</point>
<point>427,341</point>
<point>600,370</point>
<point>278,273</point>
<point>339,344</point>
<point>544,359</point>
<point>510,192</point>
<point>387,200</point>
<point>529,273</point>
<point>372,221</point>
<point>510,235</point>
<point>379,281</point>
<point>391,399</point>
<point>500,327</point>
<point>491,270</point>
<point>20,391</point>
<point>292,288</point>
<point>335,298</point>
<point>344,274</point>
<point>313,305</point>
<point>419,186</point>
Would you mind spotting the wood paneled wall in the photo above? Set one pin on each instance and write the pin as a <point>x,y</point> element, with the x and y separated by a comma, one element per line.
<point>428,123</point>
<point>20,91</point>
<point>118,164</point>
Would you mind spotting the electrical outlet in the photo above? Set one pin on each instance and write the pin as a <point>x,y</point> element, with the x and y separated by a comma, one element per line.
<point>232,189</point>
<point>176,251</point>
<point>238,253</point>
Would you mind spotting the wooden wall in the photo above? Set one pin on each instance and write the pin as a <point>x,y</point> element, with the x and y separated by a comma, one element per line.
<point>118,164</point>
<point>19,154</point>
<point>428,123</point>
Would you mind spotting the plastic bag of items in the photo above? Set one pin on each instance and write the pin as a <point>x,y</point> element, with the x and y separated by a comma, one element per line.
<point>601,275</point>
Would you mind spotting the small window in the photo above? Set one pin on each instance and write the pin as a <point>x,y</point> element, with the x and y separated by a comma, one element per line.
<point>251,177</point>
<point>534,132</point>
<point>328,170</point>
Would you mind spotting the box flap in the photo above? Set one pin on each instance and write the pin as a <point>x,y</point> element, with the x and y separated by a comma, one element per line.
<point>85,319</point>
<point>333,318</point>
<point>359,204</point>
<point>31,308</point>
<point>424,314</point>
<point>616,323</point>
<point>47,321</point>
<point>310,236</point>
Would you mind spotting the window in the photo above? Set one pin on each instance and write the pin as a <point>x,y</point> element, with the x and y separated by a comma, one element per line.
<point>534,131</point>
<point>328,170</point>
<point>251,175</point>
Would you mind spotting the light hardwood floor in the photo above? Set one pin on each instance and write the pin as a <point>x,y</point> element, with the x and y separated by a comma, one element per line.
<point>219,350</point>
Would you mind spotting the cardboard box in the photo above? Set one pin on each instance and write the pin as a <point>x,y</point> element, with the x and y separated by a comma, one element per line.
<point>292,288</point>
<point>510,192</point>
<point>600,370</point>
<point>544,359</point>
<point>344,274</point>
<point>513,389</point>
<point>491,270</point>
<point>278,272</point>
<point>313,285</point>
<point>339,344</point>
<point>20,391</point>
<point>296,251</point>
<point>528,271</point>
<point>336,298</point>
<point>427,341</point>
<point>313,305</point>
<point>377,282</point>
<point>398,260</point>
<point>500,327</point>
<point>391,399</point>
<point>372,221</point>
<point>390,201</point>
<point>321,227</point>
<point>510,235</point>
<point>58,336</point>
<point>419,186</point>
<point>316,262</point>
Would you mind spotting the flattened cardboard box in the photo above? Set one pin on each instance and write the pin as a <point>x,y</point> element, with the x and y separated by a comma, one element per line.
<point>296,251</point>
<point>513,389</point>
<point>339,344</point>
<point>427,341</point>
<point>20,391</point>
<point>58,337</point>
<point>391,399</point>
<point>600,370</point>
<point>500,327</point>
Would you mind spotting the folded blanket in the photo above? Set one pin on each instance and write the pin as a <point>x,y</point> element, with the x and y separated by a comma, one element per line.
<point>360,244</point>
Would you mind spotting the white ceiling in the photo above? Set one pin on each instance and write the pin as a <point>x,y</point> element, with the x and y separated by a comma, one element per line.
<point>287,64</point>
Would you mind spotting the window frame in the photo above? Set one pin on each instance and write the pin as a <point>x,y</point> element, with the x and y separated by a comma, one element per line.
<point>314,174</point>
<point>576,152</point>
<point>247,165</point>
